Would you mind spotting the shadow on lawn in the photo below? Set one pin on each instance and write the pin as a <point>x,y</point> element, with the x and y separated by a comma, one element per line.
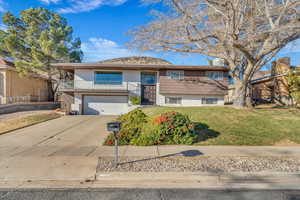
<point>204,132</point>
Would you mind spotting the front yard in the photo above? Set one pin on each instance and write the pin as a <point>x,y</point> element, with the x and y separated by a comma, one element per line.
<point>25,121</point>
<point>230,126</point>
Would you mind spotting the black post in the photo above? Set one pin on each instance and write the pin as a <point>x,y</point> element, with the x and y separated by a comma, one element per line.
<point>116,149</point>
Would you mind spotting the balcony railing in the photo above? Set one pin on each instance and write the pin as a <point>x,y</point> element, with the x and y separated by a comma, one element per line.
<point>69,85</point>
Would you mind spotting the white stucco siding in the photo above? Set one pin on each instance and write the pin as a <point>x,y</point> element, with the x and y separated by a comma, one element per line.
<point>77,103</point>
<point>133,81</point>
<point>84,79</point>
<point>190,100</point>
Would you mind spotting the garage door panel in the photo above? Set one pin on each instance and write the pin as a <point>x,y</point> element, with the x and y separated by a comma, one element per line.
<point>105,105</point>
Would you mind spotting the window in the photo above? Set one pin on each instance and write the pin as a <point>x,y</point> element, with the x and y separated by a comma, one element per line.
<point>108,78</point>
<point>173,100</point>
<point>176,75</point>
<point>209,100</point>
<point>148,78</point>
<point>214,75</point>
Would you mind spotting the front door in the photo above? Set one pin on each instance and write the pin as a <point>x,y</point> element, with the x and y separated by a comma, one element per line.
<point>148,94</point>
<point>148,88</point>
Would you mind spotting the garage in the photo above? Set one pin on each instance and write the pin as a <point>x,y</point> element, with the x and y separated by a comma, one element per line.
<point>105,105</point>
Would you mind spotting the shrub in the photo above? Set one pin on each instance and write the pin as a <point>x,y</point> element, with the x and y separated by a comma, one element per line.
<point>167,128</point>
<point>132,124</point>
<point>150,136</point>
<point>175,128</point>
<point>135,100</point>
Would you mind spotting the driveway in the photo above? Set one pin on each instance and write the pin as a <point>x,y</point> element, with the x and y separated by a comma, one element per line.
<point>59,149</point>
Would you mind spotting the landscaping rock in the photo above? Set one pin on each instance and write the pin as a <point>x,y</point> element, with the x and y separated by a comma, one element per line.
<point>201,164</point>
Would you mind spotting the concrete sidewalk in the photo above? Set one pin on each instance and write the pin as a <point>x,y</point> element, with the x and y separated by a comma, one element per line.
<point>70,164</point>
<point>165,150</point>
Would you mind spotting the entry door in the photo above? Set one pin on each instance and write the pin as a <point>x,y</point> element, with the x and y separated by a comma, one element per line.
<point>148,88</point>
<point>148,94</point>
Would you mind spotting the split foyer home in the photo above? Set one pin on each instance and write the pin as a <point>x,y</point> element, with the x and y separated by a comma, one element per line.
<point>17,89</point>
<point>106,88</point>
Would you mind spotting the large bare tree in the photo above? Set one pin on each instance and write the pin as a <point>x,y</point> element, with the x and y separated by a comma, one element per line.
<point>245,33</point>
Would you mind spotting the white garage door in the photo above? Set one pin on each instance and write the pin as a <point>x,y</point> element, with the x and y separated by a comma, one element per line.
<point>105,105</point>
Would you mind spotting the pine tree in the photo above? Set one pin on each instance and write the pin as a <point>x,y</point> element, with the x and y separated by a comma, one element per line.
<point>37,38</point>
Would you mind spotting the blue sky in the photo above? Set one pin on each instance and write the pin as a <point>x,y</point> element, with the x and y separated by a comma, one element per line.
<point>102,27</point>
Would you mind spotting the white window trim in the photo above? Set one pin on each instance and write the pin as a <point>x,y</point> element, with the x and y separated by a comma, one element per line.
<point>220,76</point>
<point>173,103</point>
<point>181,74</point>
<point>108,71</point>
<point>203,98</point>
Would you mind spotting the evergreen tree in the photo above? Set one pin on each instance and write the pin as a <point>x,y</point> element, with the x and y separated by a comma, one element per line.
<point>37,38</point>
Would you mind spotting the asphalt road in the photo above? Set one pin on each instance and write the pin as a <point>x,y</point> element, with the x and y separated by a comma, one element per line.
<point>147,194</point>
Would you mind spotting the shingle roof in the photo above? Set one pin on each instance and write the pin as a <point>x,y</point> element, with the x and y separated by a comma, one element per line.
<point>136,60</point>
<point>72,66</point>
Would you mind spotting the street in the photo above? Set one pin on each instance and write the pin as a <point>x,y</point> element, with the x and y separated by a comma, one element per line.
<point>148,194</point>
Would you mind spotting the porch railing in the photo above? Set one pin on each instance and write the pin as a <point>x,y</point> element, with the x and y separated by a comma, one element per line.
<point>66,85</point>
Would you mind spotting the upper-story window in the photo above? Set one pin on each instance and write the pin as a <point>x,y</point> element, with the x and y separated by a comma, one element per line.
<point>176,75</point>
<point>148,78</point>
<point>108,78</point>
<point>215,75</point>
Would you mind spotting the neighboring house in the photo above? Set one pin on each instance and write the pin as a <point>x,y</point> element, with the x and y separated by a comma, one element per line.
<point>106,87</point>
<point>272,86</point>
<point>16,89</point>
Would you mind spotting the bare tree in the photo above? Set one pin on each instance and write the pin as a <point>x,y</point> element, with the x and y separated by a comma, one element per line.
<point>246,33</point>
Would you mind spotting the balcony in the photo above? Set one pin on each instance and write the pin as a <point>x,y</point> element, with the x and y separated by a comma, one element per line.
<point>83,85</point>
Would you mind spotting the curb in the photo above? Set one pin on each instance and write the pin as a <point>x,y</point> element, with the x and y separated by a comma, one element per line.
<point>187,180</point>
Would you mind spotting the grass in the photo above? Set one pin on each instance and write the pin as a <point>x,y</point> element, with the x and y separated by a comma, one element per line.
<point>21,122</point>
<point>261,126</point>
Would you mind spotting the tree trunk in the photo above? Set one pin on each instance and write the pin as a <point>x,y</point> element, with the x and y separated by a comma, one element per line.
<point>50,90</point>
<point>239,98</point>
<point>249,101</point>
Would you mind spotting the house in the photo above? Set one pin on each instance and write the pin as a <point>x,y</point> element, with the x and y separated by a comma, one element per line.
<point>272,86</point>
<point>107,87</point>
<point>15,89</point>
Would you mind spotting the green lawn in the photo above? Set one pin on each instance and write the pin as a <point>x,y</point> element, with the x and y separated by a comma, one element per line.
<point>265,126</point>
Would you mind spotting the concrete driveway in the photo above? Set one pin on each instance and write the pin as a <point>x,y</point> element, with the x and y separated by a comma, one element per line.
<point>64,148</point>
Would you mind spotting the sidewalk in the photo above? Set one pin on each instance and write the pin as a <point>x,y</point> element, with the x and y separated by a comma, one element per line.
<point>134,151</point>
<point>29,171</point>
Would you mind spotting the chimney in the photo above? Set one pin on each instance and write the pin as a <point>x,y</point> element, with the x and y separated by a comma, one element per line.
<point>281,66</point>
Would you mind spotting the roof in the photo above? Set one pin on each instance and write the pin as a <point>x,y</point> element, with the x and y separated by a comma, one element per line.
<point>267,78</point>
<point>97,65</point>
<point>7,65</point>
<point>136,60</point>
<point>261,74</point>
